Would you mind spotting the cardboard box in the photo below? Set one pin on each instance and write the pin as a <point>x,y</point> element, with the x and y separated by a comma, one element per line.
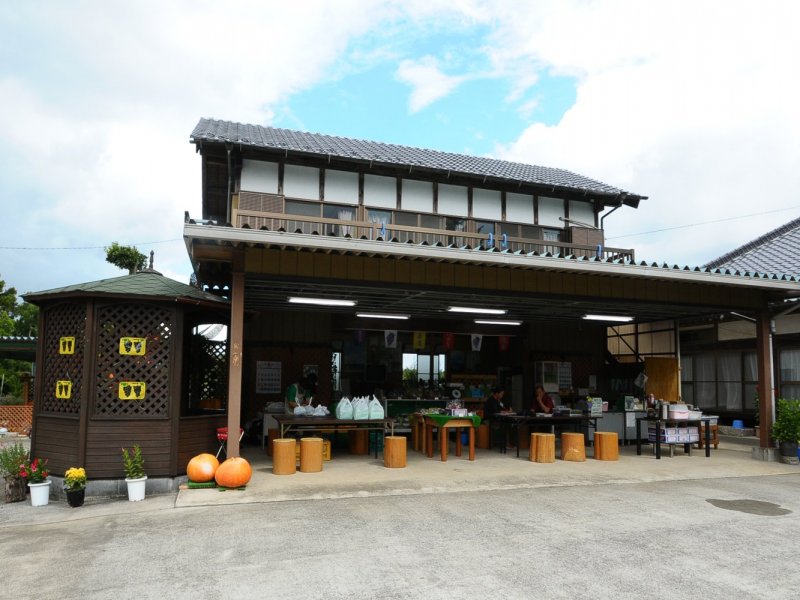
<point>326,450</point>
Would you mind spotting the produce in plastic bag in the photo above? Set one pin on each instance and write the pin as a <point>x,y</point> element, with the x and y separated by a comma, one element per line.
<point>344,410</point>
<point>361,409</point>
<point>299,411</point>
<point>375,409</point>
<point>321,411</point>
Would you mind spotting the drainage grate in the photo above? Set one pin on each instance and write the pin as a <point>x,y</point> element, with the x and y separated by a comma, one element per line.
<point>751,507</point>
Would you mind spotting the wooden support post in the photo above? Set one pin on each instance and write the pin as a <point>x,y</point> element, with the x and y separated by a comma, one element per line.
<point>572,447</point>
<point>606,445</point>
<point>394,451</point>
<point>543,448</point>
<point>235,366</point>
<point>284,457</point>
<point>310,455</point>
<point>272,434</point>
<point>766,401</point>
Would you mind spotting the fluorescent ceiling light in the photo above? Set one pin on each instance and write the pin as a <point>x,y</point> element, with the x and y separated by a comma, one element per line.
<point>321,301</point>
<point>486,322</point>
<point>476,311</point>
<point>381,316</point>
<point>615,318</point>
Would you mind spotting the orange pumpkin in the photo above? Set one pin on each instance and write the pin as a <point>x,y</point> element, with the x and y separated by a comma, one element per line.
<point>202,468</point>
<point>233,473</point>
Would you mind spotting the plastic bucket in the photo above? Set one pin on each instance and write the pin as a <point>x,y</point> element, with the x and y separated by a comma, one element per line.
<point>738,424</point>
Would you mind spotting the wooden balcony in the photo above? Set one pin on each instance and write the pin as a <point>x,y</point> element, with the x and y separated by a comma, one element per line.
<point>251,219</point>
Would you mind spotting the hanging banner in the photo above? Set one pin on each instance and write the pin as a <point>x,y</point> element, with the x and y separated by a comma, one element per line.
<point>449,341</point>
<point>132,346</point>
<point>477,341</point>
<point>419,340</point>
<point>390,338</point>
<point>503,342</point>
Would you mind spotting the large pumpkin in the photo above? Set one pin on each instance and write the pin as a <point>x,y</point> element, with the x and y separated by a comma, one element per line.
<point>202,468</point>
<point>233,473</point>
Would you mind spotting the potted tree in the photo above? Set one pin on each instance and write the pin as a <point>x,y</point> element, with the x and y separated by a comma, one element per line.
<point>75,486</point>
<point>786,430</point>
<point>135,477</point>
<point>11,458</point>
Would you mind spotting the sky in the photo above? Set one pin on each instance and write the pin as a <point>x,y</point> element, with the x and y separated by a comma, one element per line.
<point>691,103</point>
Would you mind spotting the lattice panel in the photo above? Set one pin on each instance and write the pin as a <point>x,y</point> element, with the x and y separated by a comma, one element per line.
<point>63,322</point>
<point>133,386</point>
<point>261,202</point>
<point>208,380</point>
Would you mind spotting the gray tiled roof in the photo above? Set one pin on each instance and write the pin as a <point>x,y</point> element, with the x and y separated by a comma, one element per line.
<point>775,252</point>
<point>394,154</point>
<point>145,283</point>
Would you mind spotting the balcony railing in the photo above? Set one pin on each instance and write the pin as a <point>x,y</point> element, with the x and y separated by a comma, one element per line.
<point>249,219</point>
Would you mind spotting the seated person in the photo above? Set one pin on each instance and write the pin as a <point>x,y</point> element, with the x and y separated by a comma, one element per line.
<point>296,396</point>
<point>495,404</point>
<point>542,403</point>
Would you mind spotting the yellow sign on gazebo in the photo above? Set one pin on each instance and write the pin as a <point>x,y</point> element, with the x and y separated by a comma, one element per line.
<point>131,390</point>
<point>63,389</point>
<point>132,346</point>
<point>66,345</point>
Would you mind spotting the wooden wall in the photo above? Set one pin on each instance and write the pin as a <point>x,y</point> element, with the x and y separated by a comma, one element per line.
<point>105,440</point>
<point>197,435</point>
<point>56,439</point>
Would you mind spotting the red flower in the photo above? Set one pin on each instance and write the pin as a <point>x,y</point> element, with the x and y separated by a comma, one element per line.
<point>23,472</point>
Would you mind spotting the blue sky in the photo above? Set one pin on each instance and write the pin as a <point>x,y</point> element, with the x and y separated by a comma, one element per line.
<point>99,100</point>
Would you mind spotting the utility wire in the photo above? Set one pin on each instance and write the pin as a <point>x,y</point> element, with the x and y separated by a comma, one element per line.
<point>766,212</point>
<point>85,247</point>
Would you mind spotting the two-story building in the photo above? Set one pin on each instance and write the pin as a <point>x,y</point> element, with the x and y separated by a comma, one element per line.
<point>355,259</point>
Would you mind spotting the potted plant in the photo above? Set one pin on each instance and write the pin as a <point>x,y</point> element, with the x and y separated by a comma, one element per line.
<point>35,471</point>
<point>135,477</point>
<point>786,429</point>
<point>11,457</point>
<point>75,486</point>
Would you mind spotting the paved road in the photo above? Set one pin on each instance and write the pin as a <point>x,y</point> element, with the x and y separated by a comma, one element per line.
<point>660,540</point>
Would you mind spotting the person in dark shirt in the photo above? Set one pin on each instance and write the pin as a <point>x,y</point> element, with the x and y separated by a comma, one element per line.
<point>542,403</point>
<point>495,404</point>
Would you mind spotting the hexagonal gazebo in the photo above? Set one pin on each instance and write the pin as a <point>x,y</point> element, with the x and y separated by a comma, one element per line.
<point>138,359</point>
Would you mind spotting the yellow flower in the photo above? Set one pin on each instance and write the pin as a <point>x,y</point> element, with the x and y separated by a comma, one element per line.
<point>75,478</point>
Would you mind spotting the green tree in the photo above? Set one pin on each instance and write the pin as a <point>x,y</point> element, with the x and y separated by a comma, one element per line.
<point>126,257</point>
<point>15,319</point>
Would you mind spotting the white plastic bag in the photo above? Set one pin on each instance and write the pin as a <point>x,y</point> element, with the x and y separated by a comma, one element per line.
<point>361,409</point>
<point>299,411</point>
<point>344,410</point>
<point>375,409</point>
<point>321,411</point>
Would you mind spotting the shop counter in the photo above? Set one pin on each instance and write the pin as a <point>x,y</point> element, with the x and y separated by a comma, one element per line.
<point>289,423</point>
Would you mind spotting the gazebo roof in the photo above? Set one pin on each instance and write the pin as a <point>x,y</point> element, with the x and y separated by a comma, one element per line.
<point>147,284</point>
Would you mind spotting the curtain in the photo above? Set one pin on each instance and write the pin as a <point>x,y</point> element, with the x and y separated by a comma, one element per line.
<point>705,381</point>
<point>729,374</point>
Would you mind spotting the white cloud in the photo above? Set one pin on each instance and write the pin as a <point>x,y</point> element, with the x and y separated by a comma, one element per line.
<point>428,83</point>
<point>686,103</point>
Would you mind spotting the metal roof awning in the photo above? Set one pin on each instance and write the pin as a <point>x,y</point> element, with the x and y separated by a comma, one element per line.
<point>644,291</point>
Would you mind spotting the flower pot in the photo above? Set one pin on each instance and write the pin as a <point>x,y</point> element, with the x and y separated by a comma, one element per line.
<point>75,497</point>
<point>136,488</point>
<point>15,489</point>
<point>40,493</point>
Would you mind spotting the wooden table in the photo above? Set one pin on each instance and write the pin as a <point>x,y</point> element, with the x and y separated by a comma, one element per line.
<point>288,423</point>
<point>449,423</point>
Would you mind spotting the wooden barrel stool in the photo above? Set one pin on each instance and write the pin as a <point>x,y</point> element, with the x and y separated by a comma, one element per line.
<point>482,437</point>
<point>284,461</point>
<point>358,441</point>
<point>272,434</point>
<point>543,448</point>
<point>310,455</point>
<point>394,451</point>
<point>606,445</point>
<point>572,447</point>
